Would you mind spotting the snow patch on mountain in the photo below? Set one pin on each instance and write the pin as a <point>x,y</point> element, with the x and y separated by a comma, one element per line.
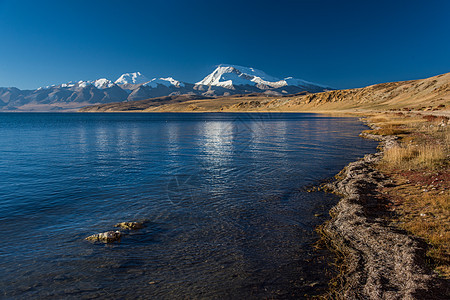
<point>132,78</point>
<point>69,84</point>
<point>103,83</point>
<point>169,81</point>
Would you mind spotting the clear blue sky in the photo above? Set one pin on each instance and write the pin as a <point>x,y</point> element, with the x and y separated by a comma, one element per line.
<point>340,43</point>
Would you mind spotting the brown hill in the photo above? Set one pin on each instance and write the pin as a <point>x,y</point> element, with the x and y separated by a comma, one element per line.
<point>141,105</point>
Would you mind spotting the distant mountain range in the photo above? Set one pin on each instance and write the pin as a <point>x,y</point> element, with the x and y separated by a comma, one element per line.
<point>429,94</point>
<point>223,81</point>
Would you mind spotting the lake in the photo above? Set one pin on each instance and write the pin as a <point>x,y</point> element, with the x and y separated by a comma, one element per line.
<point>223,196</point>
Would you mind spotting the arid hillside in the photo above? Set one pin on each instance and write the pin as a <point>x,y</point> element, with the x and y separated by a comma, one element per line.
<point>425,94</point>
<point>141,105</point>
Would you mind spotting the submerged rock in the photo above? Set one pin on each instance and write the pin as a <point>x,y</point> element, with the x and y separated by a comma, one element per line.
<point>105,237</point>
<point>112,236</point>
<point>130,225</point>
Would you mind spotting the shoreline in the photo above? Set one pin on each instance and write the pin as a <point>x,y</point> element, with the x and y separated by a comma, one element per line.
<point>375,259</point>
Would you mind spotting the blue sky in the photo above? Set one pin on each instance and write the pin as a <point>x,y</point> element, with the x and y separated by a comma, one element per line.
<point>342,44</point>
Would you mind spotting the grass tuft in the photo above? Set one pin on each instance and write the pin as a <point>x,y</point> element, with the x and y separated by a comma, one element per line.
<point>386,131</point>
<point>415,157</point>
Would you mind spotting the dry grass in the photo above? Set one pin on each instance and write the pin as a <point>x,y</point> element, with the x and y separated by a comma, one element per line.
<point>415,157</point>
<point>420,167</point>
<point>386,131</point>
<point>425,214</point>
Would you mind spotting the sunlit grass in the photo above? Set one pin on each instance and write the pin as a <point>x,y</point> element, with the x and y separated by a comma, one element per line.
<point>386,131</point>
<point>415,157</point>
<point>427,215</point>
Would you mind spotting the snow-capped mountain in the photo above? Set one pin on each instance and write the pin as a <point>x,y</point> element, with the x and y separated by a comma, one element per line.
<point>169,81</point>
<point>224,80</point>
<point>101,83</point>
<point>232,76</point>
<point>229,76</point>
<point>132,78</point>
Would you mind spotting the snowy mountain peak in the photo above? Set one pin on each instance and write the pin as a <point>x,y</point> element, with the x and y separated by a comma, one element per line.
<point>169,81</point>
<point>250,71</point>
<point>132,78</point>
<point>230,76</point>
<point>102,83</point>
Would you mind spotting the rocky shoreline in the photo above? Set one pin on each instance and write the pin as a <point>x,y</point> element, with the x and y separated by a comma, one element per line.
<point>377,260</point>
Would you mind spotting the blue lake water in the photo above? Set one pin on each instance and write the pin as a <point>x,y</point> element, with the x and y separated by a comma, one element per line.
<point>223,195</point>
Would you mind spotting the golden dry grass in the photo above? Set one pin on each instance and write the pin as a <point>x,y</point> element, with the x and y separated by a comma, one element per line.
<point>386,131</point>
<point>415,157</point>
<point>427,215</point>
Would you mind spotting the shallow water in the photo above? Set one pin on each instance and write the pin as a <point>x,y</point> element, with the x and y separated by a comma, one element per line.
<point>224,196</point>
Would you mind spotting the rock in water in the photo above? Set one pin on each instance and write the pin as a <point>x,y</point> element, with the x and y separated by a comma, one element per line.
<point>130,225</point>
<point>105,237</point>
